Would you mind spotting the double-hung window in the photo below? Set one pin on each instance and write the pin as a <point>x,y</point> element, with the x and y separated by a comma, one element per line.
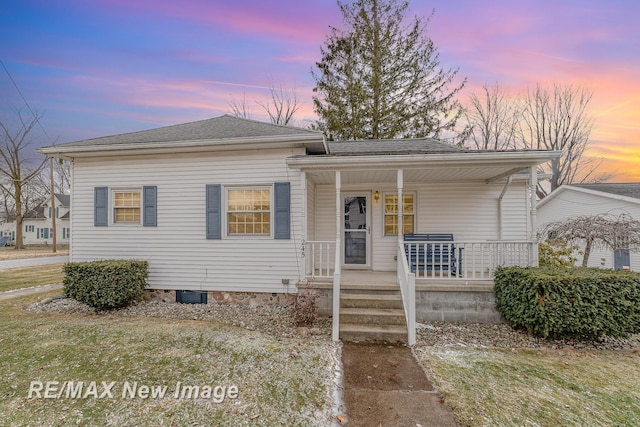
<point>126,206</point>
<point>249,211</point>
<point>391,214</point>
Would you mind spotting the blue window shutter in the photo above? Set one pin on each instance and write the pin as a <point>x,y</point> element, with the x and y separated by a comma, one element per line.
<point>38,234</point>
<point>150,215</point>
<point>282,202</point>
<point>57,212</point>
<point>214,211</point>
<point>100,206</point>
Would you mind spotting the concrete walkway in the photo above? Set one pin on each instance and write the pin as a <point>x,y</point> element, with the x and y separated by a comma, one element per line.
<point>33,262</point>
<point>28,291</point>
<point>386,386</point>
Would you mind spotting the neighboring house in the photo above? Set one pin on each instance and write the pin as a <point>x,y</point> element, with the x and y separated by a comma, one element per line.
<point>236,205</point>
<point>592,199</point>
<point>37,223</point>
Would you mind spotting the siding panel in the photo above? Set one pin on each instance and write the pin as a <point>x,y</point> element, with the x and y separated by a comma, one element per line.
<point>179,255</point>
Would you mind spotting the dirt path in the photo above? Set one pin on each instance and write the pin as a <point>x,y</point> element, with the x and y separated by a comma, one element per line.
<point>385,386</point>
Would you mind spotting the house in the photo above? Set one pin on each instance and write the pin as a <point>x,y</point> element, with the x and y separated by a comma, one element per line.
<point>37,223</point>
<point>234,205</point>
<point>592,199</point>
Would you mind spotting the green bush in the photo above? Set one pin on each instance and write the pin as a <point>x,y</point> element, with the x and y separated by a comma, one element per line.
<point>105,285</point>
<point>585,303</point>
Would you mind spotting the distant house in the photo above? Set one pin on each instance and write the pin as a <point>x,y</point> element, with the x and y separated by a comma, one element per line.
<point>235,205</point>
<point>592,199</point>
<point>37,223</point>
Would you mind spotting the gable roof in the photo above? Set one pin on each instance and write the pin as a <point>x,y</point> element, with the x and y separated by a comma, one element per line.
<point>35,213</point>
<point>391,146</point>
<point>217,131</point>
<point>63,199</point>
<point>628,192</point>
<point>627,189</point>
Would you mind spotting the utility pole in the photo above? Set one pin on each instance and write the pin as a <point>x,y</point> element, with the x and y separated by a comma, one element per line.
<point>53,205</point>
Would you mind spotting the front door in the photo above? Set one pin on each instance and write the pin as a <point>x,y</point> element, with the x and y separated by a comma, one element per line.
<point>356,231</point>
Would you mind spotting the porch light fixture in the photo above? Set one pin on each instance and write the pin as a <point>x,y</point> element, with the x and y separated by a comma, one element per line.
<point>376,196</point>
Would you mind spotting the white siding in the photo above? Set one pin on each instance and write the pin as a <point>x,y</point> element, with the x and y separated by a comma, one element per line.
<point>571,203</point>
<point>469,210</point>
<point>179,255</point>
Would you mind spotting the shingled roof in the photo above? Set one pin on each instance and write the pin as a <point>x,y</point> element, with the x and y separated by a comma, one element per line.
<point>216,128</point>
<point>628,189</point>
<point>392,146</point>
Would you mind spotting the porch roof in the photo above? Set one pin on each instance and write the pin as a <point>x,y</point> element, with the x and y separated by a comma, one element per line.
<point>460,165</point>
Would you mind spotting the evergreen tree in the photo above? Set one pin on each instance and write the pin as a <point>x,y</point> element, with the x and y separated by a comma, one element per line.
<point>382,79</point>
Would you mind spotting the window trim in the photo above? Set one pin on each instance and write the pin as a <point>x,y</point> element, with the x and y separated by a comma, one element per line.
<point>384,215</point>
<point>112,206</point>
<point>225,211</point>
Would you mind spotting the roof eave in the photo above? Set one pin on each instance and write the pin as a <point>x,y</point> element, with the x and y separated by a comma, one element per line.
<point>386,161</point>
<point>312,142</point>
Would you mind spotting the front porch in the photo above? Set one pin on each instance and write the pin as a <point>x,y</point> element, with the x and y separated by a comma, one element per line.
<point>358,212</point>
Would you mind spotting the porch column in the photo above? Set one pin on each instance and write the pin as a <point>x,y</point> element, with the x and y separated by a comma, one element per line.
<point>303,219</point>
<point>338,260</point>
<point>303,208</point>
<point>335,327</point>
<point>533,183</point>
<point>400,207</point>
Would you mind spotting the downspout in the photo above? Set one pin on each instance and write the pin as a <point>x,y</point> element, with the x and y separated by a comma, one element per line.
<point>504,191</point>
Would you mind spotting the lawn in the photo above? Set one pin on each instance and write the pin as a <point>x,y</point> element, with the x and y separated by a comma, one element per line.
<point>280,381</point>
<point>542,387</point>
<point>17,278</point>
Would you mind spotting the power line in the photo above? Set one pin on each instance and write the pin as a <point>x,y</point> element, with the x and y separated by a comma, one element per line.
<point>26,103</point>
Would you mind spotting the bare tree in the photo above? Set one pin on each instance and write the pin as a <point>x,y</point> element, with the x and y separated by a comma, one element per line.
<point>281,106</point>
<point>239,108</point>
<point>556,119</point>
<point>622,232</point>
<point>492,119</point>
<point>17,169</point>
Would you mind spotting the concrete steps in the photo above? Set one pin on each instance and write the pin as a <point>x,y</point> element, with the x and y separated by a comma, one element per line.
<point>367,314</point>
<point>373,333</point>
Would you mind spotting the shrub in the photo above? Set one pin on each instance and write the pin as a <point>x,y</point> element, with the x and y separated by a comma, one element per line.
<point>305,308</point>
<point>583,303</point>
<point>105,285</point>
<point>557,254</point>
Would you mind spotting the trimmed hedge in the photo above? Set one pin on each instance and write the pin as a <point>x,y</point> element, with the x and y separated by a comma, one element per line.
<point>105,285</point>
<point>585,303</point>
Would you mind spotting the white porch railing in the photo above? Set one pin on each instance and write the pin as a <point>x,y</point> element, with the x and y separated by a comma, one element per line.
<point>319,258</point>
<point>466,260</point>
<point>407,281</point>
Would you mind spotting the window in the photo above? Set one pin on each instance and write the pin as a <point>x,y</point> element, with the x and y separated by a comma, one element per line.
<point>249,211</point>
<point>126,206</point>
<point>391,214</point>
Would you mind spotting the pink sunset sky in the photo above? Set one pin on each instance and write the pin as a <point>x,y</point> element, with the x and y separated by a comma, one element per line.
<point>103,67</point>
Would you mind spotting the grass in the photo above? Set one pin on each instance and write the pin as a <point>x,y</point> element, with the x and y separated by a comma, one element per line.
<point>17,278</point>
<point>276,385</point>
<point>10,252</point>
<point>537,387</point>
